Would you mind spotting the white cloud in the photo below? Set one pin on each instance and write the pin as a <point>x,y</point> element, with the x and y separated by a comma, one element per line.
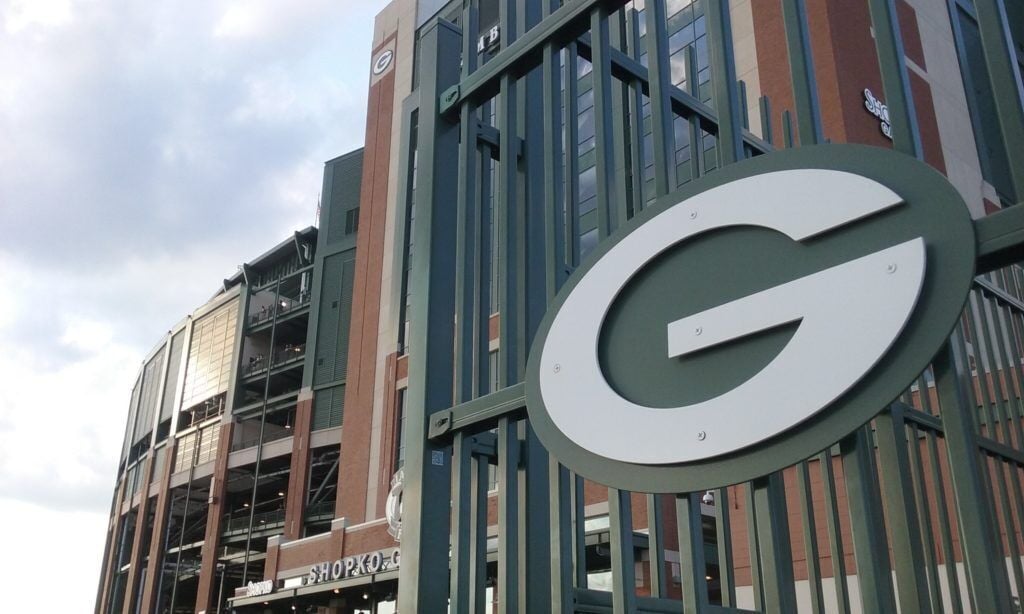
<point>148,149</point>
<point>70,558</point>
<point>22,14</point>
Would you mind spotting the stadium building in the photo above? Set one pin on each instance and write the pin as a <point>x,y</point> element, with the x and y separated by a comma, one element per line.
<point>343,427</point>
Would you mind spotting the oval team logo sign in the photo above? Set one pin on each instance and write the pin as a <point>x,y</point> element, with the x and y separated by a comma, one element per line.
<point>752,320</point>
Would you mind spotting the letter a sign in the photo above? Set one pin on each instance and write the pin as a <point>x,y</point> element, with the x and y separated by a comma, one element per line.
<point>752,319</point>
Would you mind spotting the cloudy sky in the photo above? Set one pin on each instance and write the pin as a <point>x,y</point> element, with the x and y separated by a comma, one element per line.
<point>146,149</point>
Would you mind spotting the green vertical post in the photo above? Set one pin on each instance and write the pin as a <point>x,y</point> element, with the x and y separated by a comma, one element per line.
<point>560,487</point>
<point>659,82</point>
<point>895,83</point>
<point>1008,93</point>
<point>774,544</point>
<point>801,70</point>
<point>904,525</point>
<point>426,507</point>
<point>868,524</point>
<point>620,519</point>
<point>604,139</point>
<point>723,81</point>
<point>509,574</point>
<point>462,505</point>
<point>723,533</point>
<point>692,565</point>
<point>810,536</point>
<point>835,537</point>
<point>984,563</point>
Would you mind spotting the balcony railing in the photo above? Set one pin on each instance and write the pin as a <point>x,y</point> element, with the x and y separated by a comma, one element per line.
<point>283,306</point>
<point>289,354</point>
<point>239,520</point>
<point>320,510</point>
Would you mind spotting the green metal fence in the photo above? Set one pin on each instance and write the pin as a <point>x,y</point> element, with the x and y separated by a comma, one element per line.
<point>928,495</point>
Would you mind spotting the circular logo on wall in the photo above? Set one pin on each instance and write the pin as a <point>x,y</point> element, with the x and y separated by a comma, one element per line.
<point>383,61</point>
<point>393,505</point>
<point>752,319</point>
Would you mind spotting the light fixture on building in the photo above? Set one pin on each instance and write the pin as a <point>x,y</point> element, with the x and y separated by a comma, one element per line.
<point>280,494</point>
<point>708,498</point>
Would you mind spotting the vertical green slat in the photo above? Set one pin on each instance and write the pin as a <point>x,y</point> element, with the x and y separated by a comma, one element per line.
<point>560,488</point>
<point>618,207</point>
<point>505,216</point>
<point>579,531</point>
<point>604,138</point>
<point>1013,331</point>
<point>924,512</point>
<point>661,105</point>
<point>723,532</point>
<point>465,245</point>
<point>478,534</point>
<point>638,196</point>
<point>1010,373</point>
<point>803,482</point>
<point>483,269</point>
<point>462,505</point>
<point>1013,551</point>
<point>835,535</point>
<point>1004,74</point>
<point>774,543</point>
<point>508,524</point>
<point>801,67</point>
<point>895,83</point>
<point>753,548</point>
<point>692,566</point>
<point>620,519</point>
<point>904,526</point>
<point>987,406</point>
<point>765,108</point>
<point>986,328</point>
<point>426,508</point>
<point>723,81</point>
<point>570,100</point>
<point>945,528</point>
<point>695,131</point>
<point>1003,377</point>
<point>656,545</point>
<point>868,524</point>
<point>1013,478</point>
<point>985,567</point>
<point>554,230</point>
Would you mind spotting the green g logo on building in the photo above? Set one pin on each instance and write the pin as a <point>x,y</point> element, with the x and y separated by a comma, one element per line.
<point>751,320</point>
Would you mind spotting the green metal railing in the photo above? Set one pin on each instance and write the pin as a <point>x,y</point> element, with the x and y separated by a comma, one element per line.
<point>935,478</point>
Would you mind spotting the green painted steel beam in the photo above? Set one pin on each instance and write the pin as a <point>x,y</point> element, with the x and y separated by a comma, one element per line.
<point>1007,88</point>
<point>1000,238</point>
<point>982,558</point>
<point>723,82</point>
<point>563,25</point>
<point>895,83</point>
<point>801,67</point>
<point>867,523</point>
<point>426,507</point>
<point>904,525</point>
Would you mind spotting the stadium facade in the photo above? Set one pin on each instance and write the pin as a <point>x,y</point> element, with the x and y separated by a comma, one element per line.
<point>273,433</point>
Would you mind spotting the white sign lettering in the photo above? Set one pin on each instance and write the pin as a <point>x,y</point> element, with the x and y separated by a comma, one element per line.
<point>879,110</point>
<point>255,589</point>
<point>356,565</point>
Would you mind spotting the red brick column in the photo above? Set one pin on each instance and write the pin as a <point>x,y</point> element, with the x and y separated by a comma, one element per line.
<point>214,515</point>
<point>366,292</point>
<point>156,551</point>
<point>135,560</point>
<point>298,476</point>
<point>111,554</point>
